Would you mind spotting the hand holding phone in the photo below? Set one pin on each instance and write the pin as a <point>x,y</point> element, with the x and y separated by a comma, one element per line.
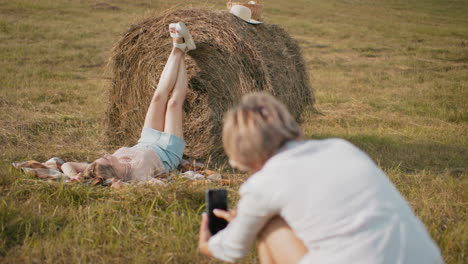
<point>216,199</point>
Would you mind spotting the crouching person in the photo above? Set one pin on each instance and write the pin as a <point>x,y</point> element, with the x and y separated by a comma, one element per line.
<point>310,201</point>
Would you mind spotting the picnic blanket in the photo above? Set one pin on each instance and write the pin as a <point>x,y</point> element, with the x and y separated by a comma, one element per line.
<point>51,171</point>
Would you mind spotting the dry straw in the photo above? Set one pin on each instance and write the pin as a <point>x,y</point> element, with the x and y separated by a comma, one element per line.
<point>232,58</point>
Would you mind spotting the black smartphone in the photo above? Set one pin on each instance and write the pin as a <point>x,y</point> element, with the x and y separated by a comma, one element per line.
<point>216,199</point>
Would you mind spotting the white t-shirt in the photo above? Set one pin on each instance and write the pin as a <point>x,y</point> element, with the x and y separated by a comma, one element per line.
<point>336,200</point>
<point>144,164</point>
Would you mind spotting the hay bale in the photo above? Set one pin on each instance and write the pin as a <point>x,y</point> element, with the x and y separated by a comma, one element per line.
<point>232,58</point>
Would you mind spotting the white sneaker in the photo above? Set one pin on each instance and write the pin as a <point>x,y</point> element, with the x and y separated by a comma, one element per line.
<point>183,30</point>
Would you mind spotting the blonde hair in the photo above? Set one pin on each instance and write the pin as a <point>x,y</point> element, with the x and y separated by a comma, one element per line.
<point>256,129</point>
<point>96,170</point>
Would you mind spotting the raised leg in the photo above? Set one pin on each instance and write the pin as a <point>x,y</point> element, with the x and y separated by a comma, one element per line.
<point>279,244</point>
<point>155,116</point>
<point>174,112</point>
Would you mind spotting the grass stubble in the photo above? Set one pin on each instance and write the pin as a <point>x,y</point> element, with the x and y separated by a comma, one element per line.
<point>390,76</point>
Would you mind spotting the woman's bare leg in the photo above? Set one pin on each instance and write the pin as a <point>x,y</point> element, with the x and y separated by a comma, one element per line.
<point>278,244</point>
<point>174,112</point>
<point>155,116</point>
<point>264,254</point>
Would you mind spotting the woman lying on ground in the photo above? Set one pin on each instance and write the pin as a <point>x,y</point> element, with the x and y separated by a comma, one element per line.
<point>161,145</point>
<point>310,201</point>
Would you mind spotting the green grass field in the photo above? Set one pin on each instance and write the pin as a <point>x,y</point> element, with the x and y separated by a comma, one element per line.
<point>390,76</point>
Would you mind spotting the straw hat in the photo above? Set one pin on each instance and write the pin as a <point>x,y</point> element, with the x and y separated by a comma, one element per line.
<point>243,13</point>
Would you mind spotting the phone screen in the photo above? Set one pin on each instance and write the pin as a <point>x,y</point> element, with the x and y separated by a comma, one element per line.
<point>216,199</point>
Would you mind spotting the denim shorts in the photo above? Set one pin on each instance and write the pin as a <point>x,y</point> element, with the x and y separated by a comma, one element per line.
<point>169,147</point>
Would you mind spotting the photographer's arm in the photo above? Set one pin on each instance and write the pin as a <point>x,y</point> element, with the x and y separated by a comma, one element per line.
<point>205,234</point>
<point>236,239</point>
<point>204,237</point>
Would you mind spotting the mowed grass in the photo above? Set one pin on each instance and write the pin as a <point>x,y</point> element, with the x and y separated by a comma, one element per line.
<point>390,76</point>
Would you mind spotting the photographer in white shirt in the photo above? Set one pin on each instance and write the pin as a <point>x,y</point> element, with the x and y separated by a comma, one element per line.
<point>310,201</point>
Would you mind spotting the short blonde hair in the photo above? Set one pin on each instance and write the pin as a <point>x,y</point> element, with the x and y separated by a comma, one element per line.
<point>256,129</point>
<point>103,172</point>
